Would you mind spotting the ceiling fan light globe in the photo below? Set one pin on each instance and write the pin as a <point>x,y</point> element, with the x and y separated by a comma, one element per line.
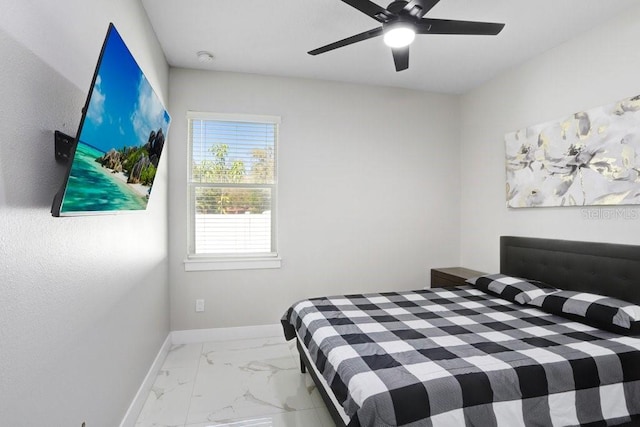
<point>399,36</point>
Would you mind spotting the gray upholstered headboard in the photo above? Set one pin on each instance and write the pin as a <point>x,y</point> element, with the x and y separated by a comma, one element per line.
<point>603,268</point>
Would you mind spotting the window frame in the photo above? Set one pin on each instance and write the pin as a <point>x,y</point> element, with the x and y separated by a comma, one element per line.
<point>230,261</point>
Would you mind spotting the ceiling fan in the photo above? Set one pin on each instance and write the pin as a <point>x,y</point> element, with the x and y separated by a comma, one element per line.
<point>401,21</point>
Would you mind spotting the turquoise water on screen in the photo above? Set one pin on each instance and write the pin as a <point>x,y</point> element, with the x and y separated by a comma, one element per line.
<point>92,187</point>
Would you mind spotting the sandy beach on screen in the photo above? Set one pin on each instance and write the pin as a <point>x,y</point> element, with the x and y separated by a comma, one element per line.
<point>141,190</point>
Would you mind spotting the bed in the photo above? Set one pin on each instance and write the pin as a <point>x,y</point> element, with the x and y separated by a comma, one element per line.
<point>470,356</point>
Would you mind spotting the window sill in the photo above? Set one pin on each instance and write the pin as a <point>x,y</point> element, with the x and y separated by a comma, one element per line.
<point>214,264</point>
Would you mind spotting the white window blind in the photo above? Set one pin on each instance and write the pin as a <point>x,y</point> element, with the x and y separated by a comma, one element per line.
<point>232,185</point>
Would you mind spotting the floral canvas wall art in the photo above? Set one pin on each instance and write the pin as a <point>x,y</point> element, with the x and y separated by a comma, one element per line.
<point>588,158</point>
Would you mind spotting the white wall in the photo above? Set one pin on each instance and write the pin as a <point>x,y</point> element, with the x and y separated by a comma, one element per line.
<point>368,185</point>
<point>83,301</point>
<point>594,69</point>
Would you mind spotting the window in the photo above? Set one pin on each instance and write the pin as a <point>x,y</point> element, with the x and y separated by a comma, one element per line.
<point>232,191</point>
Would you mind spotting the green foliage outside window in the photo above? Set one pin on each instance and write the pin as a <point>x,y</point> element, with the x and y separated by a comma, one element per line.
<point>221,170</point>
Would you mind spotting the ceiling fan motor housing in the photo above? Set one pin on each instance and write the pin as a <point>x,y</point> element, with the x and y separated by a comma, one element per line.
<point>396,7</point>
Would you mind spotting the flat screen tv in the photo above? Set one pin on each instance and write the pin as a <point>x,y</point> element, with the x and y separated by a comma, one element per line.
<point>119,141</point>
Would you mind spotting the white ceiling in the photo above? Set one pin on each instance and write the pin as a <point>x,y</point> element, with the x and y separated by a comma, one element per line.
<point>273,37</point>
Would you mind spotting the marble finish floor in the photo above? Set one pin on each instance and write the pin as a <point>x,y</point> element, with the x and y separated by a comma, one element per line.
<point>255,382</point>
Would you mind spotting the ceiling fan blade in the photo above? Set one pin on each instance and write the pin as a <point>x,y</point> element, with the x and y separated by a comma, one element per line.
<point>447,26</point>
<point>423,6</point>
<point>371,9</point>
<point>349,40</point>
<point>401,57</point>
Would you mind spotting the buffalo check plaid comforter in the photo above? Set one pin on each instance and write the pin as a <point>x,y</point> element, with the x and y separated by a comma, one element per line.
<point>457,356</point>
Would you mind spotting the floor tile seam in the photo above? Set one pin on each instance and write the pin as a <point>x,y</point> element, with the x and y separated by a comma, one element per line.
<point>319,417</point>
<point>230,421</point>
<point>193,385</point>
<point>282,344</point>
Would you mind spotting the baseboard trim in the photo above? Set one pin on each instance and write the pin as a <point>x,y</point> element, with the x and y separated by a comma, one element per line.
<point>191,336</point>
<point>135,408</point>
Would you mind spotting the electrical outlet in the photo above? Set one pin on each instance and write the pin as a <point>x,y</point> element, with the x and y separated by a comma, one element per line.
<point>199,305</point>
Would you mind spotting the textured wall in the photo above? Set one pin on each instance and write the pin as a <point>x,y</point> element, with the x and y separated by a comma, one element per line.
<point>83,301</point>
<point>597,68</point>
<point>368,193</point>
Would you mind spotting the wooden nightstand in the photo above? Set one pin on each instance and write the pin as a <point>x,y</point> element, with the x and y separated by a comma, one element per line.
<point>453,276</point>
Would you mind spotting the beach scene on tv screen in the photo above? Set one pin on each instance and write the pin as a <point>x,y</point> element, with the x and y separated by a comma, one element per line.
<point>121,139</point>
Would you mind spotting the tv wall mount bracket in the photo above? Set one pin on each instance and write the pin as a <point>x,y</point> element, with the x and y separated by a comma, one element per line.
<point>64,145</point>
